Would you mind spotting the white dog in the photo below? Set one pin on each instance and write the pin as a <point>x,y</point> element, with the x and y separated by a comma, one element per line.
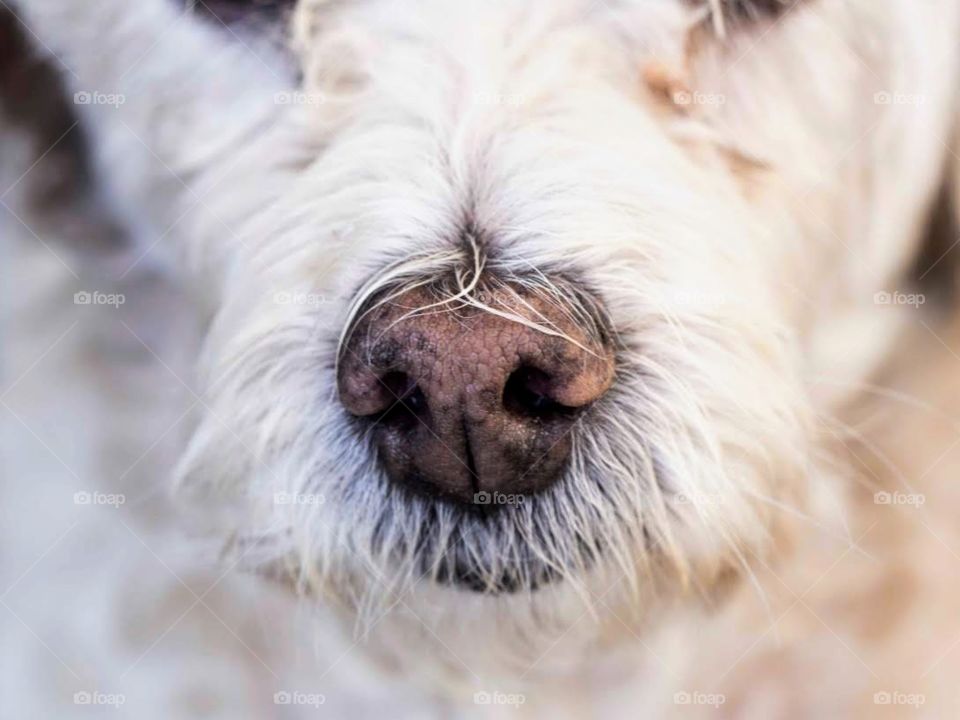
<point>515,322</point>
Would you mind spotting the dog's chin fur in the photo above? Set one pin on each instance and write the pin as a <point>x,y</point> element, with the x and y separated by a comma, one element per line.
<point>697,190</point>
<point>460,567</point>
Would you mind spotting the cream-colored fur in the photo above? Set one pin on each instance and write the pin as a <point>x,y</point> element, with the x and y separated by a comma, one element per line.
<point>737,195</point>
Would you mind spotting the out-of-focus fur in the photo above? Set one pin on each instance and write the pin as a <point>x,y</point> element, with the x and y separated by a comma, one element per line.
<point>737,192</point>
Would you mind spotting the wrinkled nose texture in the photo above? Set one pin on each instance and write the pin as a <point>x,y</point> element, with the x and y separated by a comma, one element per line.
<point>460,400</point>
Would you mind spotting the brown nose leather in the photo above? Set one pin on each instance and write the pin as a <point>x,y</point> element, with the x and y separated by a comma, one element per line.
<point>461,401</point>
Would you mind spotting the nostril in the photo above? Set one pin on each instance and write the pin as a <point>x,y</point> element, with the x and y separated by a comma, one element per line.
<point>457,401</point>
<point>528,393</point>
<point>407,401</point>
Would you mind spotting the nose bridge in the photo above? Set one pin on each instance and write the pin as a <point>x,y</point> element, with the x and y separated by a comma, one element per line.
<point>460,358</point>
<point>477,364</point>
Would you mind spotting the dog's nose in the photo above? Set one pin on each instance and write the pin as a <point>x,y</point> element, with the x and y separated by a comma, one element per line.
<point>462,401</point>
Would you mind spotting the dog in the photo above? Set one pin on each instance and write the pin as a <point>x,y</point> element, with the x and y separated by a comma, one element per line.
<point>524,338</point>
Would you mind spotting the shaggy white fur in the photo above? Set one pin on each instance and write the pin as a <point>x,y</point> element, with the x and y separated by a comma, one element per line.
<point>732,184</point>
